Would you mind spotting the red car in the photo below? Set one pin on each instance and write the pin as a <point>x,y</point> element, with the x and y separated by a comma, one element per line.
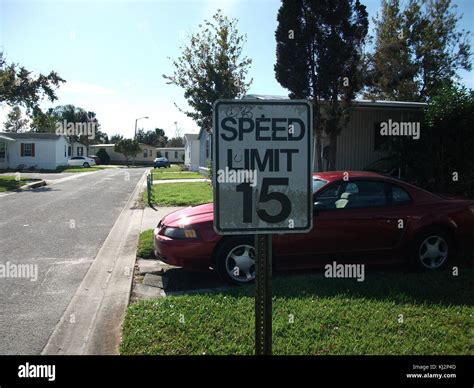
<point>368,218</point>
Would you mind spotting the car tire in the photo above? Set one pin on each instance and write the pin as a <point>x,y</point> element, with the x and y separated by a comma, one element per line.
<point>432,250</point>
<point>86,165</point>
<point>234,260</point>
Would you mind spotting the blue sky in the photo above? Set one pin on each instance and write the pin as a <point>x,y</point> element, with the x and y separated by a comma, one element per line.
<point>113,53</point>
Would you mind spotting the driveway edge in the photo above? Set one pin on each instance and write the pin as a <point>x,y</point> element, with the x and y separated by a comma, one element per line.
<point>92,322</point>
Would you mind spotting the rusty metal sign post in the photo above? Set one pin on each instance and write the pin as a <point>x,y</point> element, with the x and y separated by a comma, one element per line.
<point>262,183</point>
<point>263,294</point>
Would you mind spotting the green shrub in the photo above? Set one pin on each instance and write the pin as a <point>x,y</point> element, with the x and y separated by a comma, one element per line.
<point>103,155</point>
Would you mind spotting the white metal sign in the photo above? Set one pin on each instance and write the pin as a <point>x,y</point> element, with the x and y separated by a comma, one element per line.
<point>262,166</point>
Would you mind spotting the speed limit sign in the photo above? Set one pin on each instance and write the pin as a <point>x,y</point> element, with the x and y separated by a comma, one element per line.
<point>262,166</point>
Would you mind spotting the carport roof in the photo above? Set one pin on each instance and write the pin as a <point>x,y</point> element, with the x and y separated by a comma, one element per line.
<point>2,136</point>
<point>29,135</point>
<point>356,102</point>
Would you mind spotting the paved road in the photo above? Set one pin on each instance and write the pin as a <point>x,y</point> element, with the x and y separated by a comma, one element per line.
<point>59,229</point>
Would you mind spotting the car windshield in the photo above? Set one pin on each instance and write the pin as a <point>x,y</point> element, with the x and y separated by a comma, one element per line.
<point>318,183</point>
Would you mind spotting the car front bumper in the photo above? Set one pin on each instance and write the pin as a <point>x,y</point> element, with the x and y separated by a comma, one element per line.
<point>187,253</point>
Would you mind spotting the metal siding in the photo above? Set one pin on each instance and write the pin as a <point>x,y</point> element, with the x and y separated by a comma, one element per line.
<point>355,144</point>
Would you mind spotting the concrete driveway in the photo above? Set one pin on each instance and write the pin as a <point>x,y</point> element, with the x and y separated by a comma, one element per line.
<point>57,229</point>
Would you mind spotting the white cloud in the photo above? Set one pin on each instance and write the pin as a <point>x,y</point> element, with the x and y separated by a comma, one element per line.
<point>85,88</point>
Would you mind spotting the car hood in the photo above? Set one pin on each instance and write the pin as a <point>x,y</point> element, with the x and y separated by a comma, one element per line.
<point>190,215</point>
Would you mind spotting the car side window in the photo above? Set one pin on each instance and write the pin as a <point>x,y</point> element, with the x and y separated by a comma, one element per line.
<point>399,195</point>
<point>369,194</point>
<point>353,195</point>
<point>328,197</point>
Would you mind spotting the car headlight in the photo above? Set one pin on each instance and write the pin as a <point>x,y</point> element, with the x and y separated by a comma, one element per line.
<point>179,232</point>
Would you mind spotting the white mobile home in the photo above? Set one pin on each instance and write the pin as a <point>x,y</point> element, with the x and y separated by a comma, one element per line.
<point>191,151</point>
<point>173,154</point>
<point>33,150</point>
<point>146,155</point>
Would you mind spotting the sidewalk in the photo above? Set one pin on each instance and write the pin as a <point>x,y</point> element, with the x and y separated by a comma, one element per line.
<point>151,217</point>
<point>161,181</point>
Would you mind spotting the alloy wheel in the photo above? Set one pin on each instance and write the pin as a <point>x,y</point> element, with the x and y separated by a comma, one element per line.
<point>240,263</point>
<point>433,252</point>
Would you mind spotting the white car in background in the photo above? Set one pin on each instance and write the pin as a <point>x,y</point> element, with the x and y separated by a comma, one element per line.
<point>82,161</point>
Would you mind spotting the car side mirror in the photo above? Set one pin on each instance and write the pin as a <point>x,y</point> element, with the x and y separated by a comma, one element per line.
<point>317,206</point>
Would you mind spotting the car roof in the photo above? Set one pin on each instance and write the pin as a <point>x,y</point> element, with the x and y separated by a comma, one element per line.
<point>332,176</point>
<point>417,192</point>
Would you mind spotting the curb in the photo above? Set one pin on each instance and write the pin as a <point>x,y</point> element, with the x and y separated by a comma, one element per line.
<point>33,185</point>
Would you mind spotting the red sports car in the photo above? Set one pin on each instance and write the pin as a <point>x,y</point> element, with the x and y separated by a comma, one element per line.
<point>367,218</point>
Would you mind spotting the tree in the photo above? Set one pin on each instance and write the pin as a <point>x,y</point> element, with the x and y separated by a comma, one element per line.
<point>15,121</point>
<point>103,156</point>
<point>44,122</point>
<point>20,87</point>
<point>114,139</point>
<point>128,148</point>
<point>418,50</point>
<point>440,160</point>
<point>175,142</point>
<point>103,138</point>
<point>447,150</point>
<point>319,57</point>
<point>154,137</point>
<point>392,71</point>
<point>210,67</point>
<point>79,124</point>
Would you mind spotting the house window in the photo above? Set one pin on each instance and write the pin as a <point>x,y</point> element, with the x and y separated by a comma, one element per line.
<point>65,151</point>
<point>166,154</point>
<point>381,143</point>
<point>176,154</point>
<point>2,150</point>
<point>80,151</point>
<point>145,153</point>
<point>27,149</point>
<point>69,150</point>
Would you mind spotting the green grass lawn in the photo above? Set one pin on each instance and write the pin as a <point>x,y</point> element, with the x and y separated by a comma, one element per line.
<point>165,174</point>
<point>9,183</point>
<point>172,168</point>
<point>315,316</point>
<point>145,245</point>
<point>181,194</point>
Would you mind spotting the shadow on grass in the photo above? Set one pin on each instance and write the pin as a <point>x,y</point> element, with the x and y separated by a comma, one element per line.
<point>394,285</point>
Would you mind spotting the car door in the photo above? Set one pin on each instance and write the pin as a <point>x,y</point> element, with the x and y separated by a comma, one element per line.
<point>350,218</point>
